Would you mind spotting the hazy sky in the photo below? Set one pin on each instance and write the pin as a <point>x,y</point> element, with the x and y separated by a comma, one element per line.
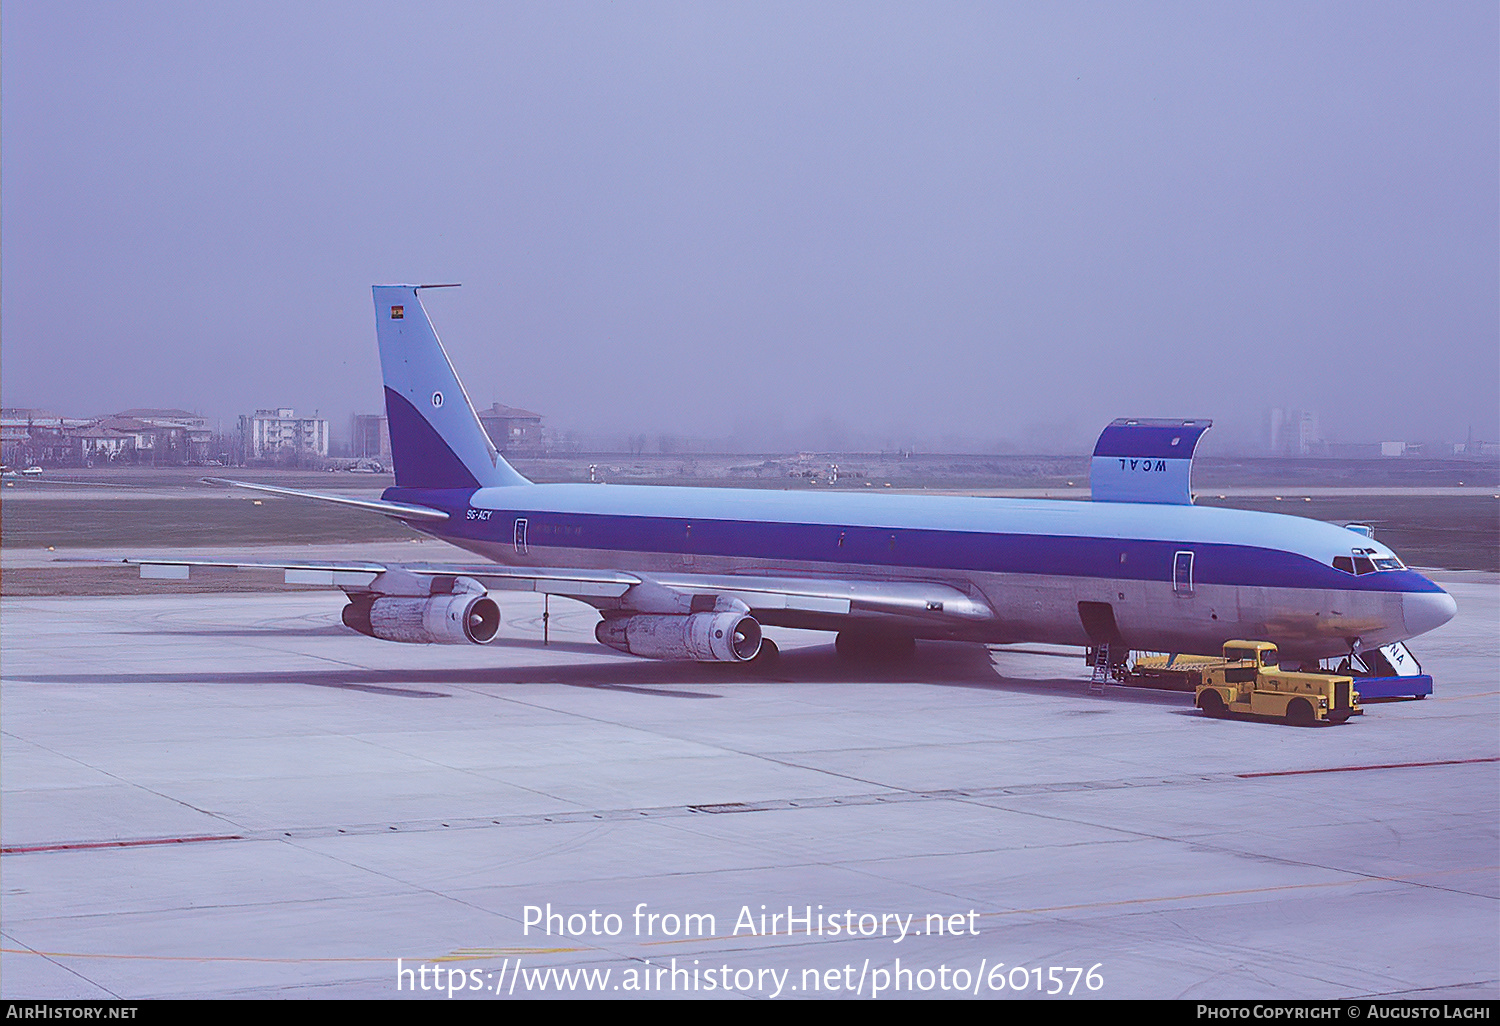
<point>798,222</point>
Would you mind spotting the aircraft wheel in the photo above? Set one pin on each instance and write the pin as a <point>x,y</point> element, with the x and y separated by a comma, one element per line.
<point>1300,713</point>
<point>1212,704</point>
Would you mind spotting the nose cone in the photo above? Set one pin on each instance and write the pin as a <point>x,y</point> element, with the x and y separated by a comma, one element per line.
<point>1426,610</point>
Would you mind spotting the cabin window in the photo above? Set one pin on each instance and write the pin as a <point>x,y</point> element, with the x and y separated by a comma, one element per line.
<point>1344,563</point>
<point>1233,654</point>
<point>1268,657</point>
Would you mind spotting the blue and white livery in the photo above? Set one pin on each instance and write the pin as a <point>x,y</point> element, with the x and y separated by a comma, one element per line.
<point>693,573</point>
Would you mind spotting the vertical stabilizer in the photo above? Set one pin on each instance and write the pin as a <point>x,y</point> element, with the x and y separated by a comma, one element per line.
<point>1142,460</point>
<point>436,438</point>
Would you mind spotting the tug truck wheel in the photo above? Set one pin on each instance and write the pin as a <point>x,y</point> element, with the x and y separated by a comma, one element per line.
<point>1299,713</point>
<point>1212,704</point>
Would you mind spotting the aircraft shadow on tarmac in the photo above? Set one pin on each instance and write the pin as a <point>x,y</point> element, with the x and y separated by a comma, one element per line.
<point>934,664</point>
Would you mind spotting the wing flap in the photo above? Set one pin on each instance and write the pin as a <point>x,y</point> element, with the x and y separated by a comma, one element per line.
<point>331,578</point>
<point>927,600</point>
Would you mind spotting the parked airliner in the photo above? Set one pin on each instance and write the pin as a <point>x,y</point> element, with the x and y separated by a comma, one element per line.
<point>693,573</point>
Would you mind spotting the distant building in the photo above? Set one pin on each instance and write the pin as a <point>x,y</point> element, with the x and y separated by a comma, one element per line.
<point>1294,432</point>
<point>31,437</point>
<point>96,445</point>
<point>1474,448</point>
<point>1353,450</point>
<point>370,437</point>
<point>512,430</point>
<point>16,425</point>
<point>177,432</point>
<point>1392,448</point>
<point>279,433</point>
<point>13,439</point>
<point>139,439</point>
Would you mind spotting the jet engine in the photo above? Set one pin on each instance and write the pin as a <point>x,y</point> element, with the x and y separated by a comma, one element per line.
<point>461,619</point>
<point>725,637</point>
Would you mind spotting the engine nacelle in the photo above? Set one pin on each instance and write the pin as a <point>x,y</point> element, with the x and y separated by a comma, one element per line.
<point>462,619</point>
<point>704,637</point>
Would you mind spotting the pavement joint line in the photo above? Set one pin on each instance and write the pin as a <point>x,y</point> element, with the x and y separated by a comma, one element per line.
<point>123,781</point>
<point>1377,766</point>
<point>65,968</point>
<point>890,797</point>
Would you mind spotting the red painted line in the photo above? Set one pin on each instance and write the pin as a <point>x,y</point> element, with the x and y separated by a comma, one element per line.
<point>115,844</point>
<point>1356,769</point>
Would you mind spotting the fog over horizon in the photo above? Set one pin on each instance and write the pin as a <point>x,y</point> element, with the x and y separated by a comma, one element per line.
<point>977,227</point>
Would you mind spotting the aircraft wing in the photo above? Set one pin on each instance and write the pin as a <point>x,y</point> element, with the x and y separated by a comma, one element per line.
<point>929,601</point>
<point>361,576</point>
<point>774,599</point>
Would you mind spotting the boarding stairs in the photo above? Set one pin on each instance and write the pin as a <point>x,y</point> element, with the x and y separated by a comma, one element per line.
<point>1101,670</point>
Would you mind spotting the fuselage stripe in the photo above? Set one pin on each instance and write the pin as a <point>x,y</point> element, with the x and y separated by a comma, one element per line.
<point>903,548</point>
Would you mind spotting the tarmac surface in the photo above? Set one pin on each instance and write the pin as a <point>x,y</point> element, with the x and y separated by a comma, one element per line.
<point>231,795</point>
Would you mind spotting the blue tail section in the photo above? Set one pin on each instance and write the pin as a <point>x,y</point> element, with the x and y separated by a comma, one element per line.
<point>436,438</point>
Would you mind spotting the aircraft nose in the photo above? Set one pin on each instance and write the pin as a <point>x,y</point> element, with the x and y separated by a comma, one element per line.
<point>1426,610</point>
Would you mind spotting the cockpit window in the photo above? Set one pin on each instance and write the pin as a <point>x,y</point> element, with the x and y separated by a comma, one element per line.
<point>1365,561</point>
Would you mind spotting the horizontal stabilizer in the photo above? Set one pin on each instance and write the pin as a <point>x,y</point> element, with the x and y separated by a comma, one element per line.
<point>399,510</point>
<point>1141,460</point>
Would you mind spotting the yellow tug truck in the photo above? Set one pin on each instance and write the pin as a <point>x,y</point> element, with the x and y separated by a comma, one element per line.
<point>1249,681</point>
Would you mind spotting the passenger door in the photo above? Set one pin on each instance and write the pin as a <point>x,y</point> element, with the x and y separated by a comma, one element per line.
<point>1182,573</point>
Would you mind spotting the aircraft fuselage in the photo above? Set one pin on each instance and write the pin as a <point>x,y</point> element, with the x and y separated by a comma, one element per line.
<point>1174,578</point>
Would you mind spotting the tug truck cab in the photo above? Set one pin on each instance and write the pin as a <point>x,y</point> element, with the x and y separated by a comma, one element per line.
<point>1250,682</point>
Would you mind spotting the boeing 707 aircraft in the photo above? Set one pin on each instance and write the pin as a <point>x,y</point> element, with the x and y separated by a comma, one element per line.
<point>694,573</point>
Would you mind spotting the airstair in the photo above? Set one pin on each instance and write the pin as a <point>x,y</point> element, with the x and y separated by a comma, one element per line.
<point>1101,670</point>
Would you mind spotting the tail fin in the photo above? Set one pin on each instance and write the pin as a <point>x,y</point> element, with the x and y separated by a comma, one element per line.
<point>436,438</point>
